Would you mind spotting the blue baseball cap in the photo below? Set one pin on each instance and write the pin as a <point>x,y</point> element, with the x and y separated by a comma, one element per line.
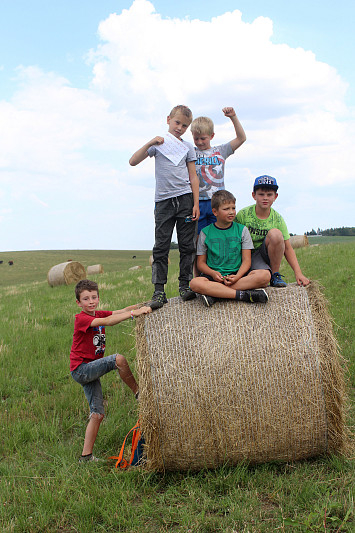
<point>265,182</point>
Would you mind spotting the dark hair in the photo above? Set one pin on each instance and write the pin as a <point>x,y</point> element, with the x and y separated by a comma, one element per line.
<point>221,197</point>
<point>183,109</point>
<point>264,188</point>
<point>85,285</point>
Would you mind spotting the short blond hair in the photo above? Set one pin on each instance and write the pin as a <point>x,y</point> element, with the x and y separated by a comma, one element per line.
<point>202,126</point>
<point>183,109</point>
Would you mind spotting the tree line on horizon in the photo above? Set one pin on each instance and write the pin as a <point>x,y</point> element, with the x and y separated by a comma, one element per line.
<point>333,232</point>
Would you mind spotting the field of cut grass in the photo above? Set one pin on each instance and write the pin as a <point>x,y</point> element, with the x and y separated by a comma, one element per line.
<point>43,415</point>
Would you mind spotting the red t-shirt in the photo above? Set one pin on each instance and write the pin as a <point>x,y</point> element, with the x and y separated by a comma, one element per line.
<point>88,343</point>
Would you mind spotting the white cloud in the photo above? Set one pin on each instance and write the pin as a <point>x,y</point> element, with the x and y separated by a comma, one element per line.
<point>62,146</point>
<point>291,104</point>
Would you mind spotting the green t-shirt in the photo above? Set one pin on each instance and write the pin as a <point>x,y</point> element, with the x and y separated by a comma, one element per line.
<point>223,247</point>
<point>259,228</point>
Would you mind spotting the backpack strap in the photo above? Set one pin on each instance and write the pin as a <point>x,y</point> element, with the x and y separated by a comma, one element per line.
<point>120,460</point>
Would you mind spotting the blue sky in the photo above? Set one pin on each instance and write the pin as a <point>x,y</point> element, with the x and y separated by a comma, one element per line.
<point>83,84</point>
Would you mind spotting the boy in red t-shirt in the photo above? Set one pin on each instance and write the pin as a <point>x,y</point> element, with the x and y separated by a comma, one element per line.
<point>87,361</point>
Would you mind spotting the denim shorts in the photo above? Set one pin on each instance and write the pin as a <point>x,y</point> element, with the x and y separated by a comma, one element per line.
<point>88,376</point>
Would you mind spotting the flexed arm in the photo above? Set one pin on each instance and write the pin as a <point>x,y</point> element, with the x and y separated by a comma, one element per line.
<point>239,131</point>
<point>142,153</point>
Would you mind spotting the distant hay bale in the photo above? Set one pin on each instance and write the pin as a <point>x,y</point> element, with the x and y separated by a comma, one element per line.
<point>66,273</point>
<point>151,260</point>
<point>94,269</point>
<point>137,267</point>
<point>299,241</point>
<point>240,381</point>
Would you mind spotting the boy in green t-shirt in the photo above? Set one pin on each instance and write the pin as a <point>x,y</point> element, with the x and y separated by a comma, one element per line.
<point>224,258</point>
<point>269,233</point>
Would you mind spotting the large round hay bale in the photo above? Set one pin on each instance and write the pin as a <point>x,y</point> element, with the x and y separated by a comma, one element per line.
<point>95,269</point>
<point>299,241</point>
<point>66,273</point>
<point>239,381</point>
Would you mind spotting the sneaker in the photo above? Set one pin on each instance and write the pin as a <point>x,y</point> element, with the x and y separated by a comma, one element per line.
<point>89,458</point>
<point>187,294</point>
<point>158,300</point>
<point>208,300</point>
<point>277,281</point>
<point>257,295</point>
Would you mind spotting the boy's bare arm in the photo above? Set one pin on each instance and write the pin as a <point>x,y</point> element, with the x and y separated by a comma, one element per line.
<point>142,153</point>
<point>195,189</point>
<point>203,267</point>
<point>291,258</point>
<point>239,131</point>
<point>129,308</point>
<point>244,268</point>
<point>116,318</point>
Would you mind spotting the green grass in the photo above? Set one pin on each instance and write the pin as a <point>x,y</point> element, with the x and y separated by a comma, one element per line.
<point>43,419</point>
<point>34,266</point>
<point>316,239</point>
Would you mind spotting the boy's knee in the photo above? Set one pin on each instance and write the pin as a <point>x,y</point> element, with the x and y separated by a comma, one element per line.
<point>275,235</point>
<point>188,247</point>
<point>97,417</point>
<point>196,284</point>
<point>120,361</point>
<point>262,277</point>
<point>193,284</point>
<point>265,277</point>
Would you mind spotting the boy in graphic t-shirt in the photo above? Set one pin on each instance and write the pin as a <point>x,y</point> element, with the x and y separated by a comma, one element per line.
<point>87,361</point>
<point>269,233</point>
<point>211,161</point>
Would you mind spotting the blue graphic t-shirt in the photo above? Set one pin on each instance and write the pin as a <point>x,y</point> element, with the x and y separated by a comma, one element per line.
<point>210,169</point>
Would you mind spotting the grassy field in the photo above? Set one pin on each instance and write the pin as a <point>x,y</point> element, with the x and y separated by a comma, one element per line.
<point>316,239</point>
<point>44,415</point>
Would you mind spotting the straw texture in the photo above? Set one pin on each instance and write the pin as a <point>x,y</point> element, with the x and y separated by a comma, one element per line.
<point>299,241</point>
<point>239,381</point>
<point>94,269</point>
<point>66,273</point>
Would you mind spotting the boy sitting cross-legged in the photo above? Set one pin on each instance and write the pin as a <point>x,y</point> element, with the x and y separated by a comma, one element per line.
<point>87,361</point>
<point>269,233</point>
<point>224,258</point>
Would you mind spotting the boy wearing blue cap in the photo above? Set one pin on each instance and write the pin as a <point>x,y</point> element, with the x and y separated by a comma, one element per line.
<point>269,233</point>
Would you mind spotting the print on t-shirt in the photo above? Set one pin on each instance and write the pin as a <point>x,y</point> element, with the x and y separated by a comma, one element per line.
<point>210,169</point>
<point>99,340</point>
